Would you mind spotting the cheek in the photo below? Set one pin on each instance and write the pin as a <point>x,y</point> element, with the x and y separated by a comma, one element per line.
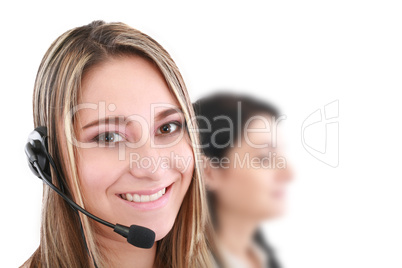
<point>182,156</point>
<point>184,164</point>
<point>97,171</point>
<point>268,204</point>
<point>249,190</point>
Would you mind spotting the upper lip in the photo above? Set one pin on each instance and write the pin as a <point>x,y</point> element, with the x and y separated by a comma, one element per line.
<point>146,192</point>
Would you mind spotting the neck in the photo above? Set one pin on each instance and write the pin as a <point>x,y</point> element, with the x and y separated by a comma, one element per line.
<point>120,253</point>
<point>235,231</point>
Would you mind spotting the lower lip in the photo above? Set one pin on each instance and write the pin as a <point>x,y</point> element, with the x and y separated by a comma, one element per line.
<point>161,202</point>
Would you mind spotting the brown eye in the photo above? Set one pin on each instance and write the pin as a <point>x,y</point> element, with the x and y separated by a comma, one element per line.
<point>167,128</point>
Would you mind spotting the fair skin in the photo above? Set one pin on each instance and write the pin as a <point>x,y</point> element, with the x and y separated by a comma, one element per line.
<point>249,194</point>
<point>114,186</point>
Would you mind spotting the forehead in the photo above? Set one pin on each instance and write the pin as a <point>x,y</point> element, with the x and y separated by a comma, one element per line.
<point>258,130</point>
<point>128,84</point>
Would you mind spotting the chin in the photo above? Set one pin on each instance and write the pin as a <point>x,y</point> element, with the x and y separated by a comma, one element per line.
<point>277,212</point>
<point>273,212</point>
<point>160,234</point>
<point>161,228</point>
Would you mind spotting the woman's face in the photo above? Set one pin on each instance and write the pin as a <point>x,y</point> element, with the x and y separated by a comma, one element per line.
<point>135,162</point>
<point>253,181</point>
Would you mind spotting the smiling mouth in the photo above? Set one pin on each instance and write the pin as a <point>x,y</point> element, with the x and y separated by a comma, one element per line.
<point>137,198</point>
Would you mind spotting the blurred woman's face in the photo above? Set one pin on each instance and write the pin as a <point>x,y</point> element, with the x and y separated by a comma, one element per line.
<point>135,162</point>
<point>253,183</point>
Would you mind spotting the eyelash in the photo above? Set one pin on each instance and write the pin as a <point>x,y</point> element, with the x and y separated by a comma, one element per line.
<point>98,137</point>
<point>176,123</point>
<point>108,133</point>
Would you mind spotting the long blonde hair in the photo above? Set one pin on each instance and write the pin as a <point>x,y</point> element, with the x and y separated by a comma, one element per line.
<point>56,92</point>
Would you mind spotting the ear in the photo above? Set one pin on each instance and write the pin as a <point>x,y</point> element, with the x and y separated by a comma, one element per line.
<point>212,174</point>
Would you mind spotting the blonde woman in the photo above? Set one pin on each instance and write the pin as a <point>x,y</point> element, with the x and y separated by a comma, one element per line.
<point>118,116</point>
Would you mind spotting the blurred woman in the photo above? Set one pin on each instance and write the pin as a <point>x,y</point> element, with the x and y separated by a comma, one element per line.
<point>246,174</point>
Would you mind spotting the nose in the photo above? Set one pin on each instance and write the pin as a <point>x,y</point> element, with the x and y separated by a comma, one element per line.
<point>285,173</point>
<point>148,163</point>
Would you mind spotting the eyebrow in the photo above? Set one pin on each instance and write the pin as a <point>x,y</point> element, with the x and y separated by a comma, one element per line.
<point>165,113</point>
<point>117,120</point>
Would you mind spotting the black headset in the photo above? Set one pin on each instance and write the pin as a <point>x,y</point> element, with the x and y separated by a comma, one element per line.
<point>40,161</point>
<point>36,150</point>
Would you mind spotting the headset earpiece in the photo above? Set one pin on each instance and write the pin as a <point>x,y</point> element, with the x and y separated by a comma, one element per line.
<point>36,149</point>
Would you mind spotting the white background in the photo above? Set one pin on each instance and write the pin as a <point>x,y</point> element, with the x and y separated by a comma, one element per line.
<point>300,55</point>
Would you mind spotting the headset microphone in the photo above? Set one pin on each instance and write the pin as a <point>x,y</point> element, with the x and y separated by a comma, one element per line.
<point>40,161</point>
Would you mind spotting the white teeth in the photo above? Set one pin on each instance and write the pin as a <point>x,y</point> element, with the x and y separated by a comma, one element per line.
<point>153,197</point>
<point>143,198</point>
<point>137,198</point>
